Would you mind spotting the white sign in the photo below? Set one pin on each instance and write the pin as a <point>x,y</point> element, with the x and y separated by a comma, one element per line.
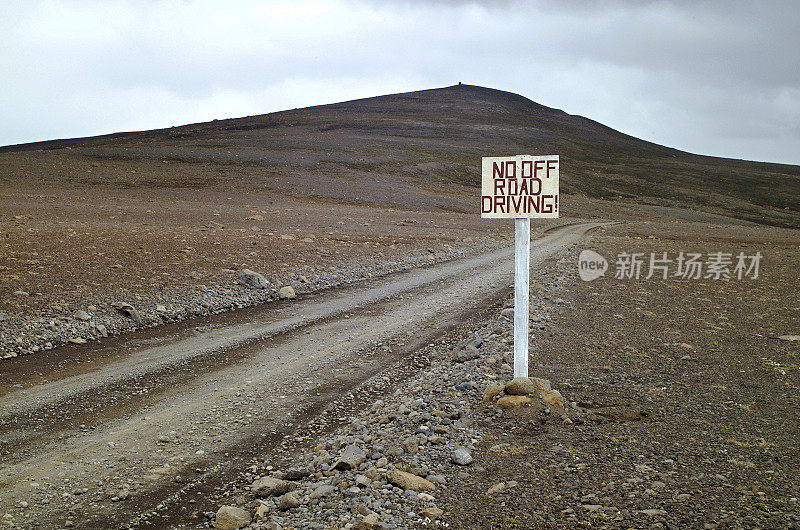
<point>519,187</point>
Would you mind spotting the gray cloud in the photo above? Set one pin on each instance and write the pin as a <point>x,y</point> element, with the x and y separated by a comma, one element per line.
<point>708,77</point>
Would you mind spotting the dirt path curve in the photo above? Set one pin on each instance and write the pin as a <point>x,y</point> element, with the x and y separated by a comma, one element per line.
<point>112,430</point>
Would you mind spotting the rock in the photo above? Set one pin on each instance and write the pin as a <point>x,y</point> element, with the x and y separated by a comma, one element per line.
<point>231,518</point>
<point>432,513</point>
<point>520,386</point>
<point>21,293</point>
<point>435,439</point>
<point>497,488</point>
<point>790,337</point>
<point>297,473</point>
<point>270,487</point>
<point>591,498</point>
<point>351,458</point>
<point>467,353</point>
<point>101,329</point>
<point>368,522</point>
<point>409,481</point>
<point>82,315</point>
<point>513,402</point>
<point>410,445</point>
<point>288,501</point>
<point>252,279</point>
<point>541,384</point>
<point>553,398</point>
<point>322,491</point>
<point>653,512</point>
<point>461,457</point>
<point>127,310</point>
<point>3,316</point>
<point>477,340</point>
<point>161,308</point>
<point>508,313</point>
<point>493,391</point>
<point>261,512</point>
<point>77,340</point>
<point>286,293</point>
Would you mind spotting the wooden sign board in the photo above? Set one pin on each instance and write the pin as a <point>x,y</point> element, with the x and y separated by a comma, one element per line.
<point>519,187</point>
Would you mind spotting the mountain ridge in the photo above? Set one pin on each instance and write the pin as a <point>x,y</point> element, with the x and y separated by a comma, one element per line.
<point>434,139</point>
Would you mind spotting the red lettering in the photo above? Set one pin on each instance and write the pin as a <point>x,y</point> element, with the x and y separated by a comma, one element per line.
<point>511,169</point>
<point>536,167</point>
<point>486,207</point>
<point>528,163</point>
<point>547,206</point>
<point>551,164</point>
<point>499,205</point>
<point>538,186</point>
<point>499,186</point>
<point>497,170</point>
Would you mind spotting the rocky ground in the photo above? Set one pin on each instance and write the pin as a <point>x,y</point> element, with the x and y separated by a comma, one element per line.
<point>80,318</point>
<point>672,406</point>
<point>74,269</point>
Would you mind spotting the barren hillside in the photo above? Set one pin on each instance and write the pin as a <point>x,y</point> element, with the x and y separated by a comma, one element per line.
<point>417,150</point>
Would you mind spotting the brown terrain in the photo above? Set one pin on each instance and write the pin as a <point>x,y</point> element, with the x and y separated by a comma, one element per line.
<point>369,210</point>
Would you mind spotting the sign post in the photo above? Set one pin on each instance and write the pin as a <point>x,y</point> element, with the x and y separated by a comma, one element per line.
<point>522,264</point>
<point>520,187</point>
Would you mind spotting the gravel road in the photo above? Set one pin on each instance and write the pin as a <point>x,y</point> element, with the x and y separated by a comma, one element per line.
<point>130,423</point>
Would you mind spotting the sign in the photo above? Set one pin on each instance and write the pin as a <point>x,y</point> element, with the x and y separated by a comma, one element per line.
<point>519,187</point>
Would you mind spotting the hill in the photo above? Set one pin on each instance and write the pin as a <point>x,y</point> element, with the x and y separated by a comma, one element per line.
<point>421,151</point>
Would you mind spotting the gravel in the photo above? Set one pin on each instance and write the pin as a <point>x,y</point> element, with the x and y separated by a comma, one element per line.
<point>388,466</point>
<point>604,447</point>
<point>65,322</point>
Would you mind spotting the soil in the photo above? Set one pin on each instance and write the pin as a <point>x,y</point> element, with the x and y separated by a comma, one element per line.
<point>696,397</point>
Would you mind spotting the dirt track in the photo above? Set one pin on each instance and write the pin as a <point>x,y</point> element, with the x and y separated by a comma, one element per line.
<point>144,416</point>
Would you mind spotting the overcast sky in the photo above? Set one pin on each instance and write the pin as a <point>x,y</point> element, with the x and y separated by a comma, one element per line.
<point>720,78</point>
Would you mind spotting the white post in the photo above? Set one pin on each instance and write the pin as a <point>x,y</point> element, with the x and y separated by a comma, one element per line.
<point>522,263</point>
